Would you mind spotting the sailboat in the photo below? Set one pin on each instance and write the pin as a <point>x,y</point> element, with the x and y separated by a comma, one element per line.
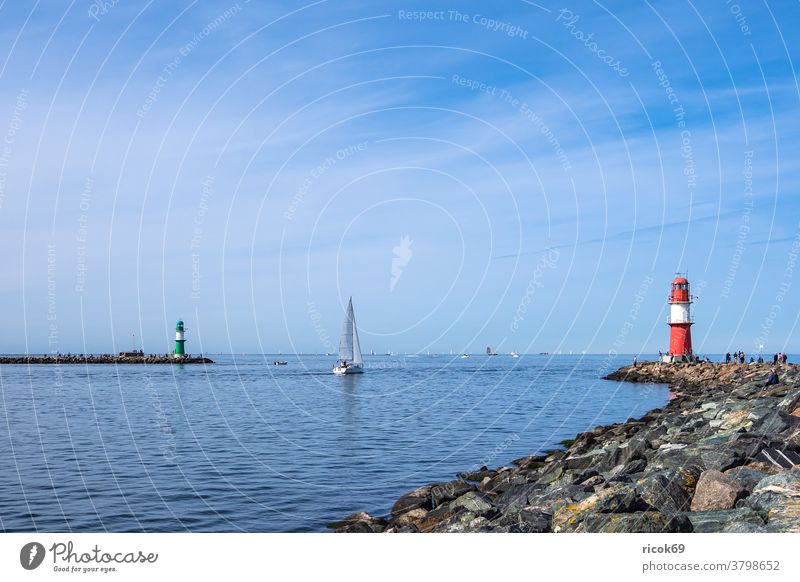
<point>350,360</point>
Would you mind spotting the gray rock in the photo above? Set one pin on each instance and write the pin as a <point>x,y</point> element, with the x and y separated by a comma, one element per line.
<point>477,476</point>
<point>593,481</point>
<point>472,501</point>
<point>590,459</point>
<point>786,483</point>
<point>501,482</point>
<point>360,522</point>
<point>462,522</point>
<point>517,497</point>
<point>777,499</point>
<point>551,474</point>
<point>636,466</point>
<point>747,478</point>
<point>718,521</point>
<point>613,499</point>
<point>634,449</point>
<point>778,457</point>
<point>530,461</point>
<point>525,520</point>
<point>670,491</point>
<point>638,522</point>
<point>774,423</point>
<point>743,527</point>
<point>443,492</point>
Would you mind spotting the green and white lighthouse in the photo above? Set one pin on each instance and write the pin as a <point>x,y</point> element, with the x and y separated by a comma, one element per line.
<point>180,339</point>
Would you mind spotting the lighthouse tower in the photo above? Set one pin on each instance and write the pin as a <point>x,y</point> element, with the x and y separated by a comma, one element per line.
<point>180,339</point>
<point>680,322</point>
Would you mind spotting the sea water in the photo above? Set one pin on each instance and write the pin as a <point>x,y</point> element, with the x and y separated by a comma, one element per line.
<point>245,445</point>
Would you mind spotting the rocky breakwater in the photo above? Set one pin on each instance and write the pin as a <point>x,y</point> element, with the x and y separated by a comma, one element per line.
<point>124,358</point>
<point>720,456</point>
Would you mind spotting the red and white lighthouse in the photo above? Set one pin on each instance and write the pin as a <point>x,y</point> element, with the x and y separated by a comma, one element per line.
<point>680,322</point>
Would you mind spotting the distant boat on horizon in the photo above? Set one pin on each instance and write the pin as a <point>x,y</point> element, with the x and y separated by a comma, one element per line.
<point>514,355</point>
<point>464,356</point>
<point>490,351</point>
<point>350,358</point>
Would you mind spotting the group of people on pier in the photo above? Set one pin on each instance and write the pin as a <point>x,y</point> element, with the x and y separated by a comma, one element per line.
<point>779,358</point>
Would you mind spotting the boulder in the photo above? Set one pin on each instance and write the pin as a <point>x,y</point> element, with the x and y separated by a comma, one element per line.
<point>418,498</point>
<point>473,501</point>
<point>715,491</point>
<point>612,499</point>
<point>637,522</point>
<point>461,522</point>
<point>517,497</point>
<point>636,466</point>
<point>669,491</point>
<point>551,474</point>
<point>718,521</point>
<point>584,461</point>
<point>742,527</point>
<point>442,492</point>
<point>777,499</point>
<point>414,516</point>
<point>778,457</point>
<point>360,522</point>
<point>634,449</point>
<point>526,520</point>
<point>476,476</point>
<point>774,423</point>
<point>502,482</point>
<point>530,461</point>
<point>593,481</point>
<point>746,477</point>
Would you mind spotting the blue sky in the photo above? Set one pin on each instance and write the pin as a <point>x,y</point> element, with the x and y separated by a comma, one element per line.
<point>525,175</point>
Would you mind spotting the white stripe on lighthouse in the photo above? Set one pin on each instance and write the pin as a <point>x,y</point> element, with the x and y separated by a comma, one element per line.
<point>679,313</point>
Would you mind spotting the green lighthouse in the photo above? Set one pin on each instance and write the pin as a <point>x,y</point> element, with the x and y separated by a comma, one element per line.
<point>180,339</point>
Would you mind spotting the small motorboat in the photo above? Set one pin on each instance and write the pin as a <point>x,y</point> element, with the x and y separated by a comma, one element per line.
<point>464,356</point>
<point>280,362</point>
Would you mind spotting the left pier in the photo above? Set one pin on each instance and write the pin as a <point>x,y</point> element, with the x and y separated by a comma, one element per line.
<point>122,358</point>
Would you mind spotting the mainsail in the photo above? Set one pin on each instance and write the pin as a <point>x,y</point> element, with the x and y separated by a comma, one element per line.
<point>349,347</point>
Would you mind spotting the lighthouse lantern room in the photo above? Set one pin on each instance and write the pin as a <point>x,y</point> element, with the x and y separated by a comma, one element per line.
<point>680,323</point>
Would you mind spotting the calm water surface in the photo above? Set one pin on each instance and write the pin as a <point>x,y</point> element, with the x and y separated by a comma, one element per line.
<point>242,445</point>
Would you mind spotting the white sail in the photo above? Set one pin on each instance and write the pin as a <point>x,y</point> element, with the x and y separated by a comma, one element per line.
<point>346,339</point>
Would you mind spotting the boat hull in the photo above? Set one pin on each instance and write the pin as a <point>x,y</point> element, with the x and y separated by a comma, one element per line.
<point>340,371</point>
